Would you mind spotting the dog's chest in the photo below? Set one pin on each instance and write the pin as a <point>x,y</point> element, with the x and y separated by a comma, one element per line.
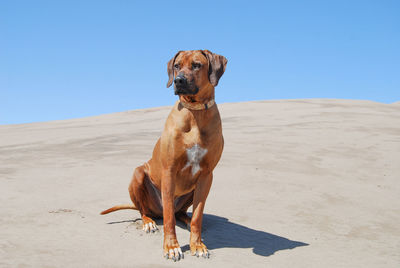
<point>201,151</point>
<point>194,156</point>
<point>199,140</point>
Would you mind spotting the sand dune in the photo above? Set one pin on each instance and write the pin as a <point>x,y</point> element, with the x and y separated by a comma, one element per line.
<point>301,183</point>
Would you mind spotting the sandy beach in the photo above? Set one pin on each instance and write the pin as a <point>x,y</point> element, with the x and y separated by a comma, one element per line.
<point>301,183</point>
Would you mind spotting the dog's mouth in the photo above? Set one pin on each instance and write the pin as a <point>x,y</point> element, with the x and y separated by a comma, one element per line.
<point>186,90</point>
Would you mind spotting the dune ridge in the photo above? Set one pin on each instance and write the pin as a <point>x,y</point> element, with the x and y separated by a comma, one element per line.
<point>301,183</point>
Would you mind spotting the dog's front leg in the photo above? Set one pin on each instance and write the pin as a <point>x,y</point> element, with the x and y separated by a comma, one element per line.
<point>172,249</point>
<point>203,186</point>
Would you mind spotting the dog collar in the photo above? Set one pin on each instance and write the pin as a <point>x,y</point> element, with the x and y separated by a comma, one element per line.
<point>198,106</point>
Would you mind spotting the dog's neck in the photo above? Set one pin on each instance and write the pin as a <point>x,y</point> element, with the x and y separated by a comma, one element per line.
<point>197,106</point>
<point>199,101</point>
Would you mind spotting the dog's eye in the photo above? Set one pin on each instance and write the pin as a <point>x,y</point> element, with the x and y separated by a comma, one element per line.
<point>196,65</point>
<point>176,66</point>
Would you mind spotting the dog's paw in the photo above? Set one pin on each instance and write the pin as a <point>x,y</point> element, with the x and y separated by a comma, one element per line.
<point>172,250</point>
<point>199,250</point>
<point>150,227</point>
<point>174,254</point>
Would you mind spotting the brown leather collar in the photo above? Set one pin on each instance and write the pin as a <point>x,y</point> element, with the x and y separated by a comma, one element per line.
<point>198,106</point>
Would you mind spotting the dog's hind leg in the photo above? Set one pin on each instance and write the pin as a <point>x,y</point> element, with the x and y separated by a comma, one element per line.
<point>144,195</point>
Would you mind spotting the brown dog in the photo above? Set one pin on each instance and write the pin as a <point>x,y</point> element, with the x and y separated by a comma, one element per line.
<point>179,174</point>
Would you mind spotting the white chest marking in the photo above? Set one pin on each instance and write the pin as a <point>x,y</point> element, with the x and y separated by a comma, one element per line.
<point>194,156</point>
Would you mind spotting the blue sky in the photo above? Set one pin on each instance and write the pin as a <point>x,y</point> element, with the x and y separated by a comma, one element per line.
<point>69,59</point>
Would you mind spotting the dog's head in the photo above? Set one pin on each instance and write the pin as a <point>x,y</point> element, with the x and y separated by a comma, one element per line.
<point>193,70</point>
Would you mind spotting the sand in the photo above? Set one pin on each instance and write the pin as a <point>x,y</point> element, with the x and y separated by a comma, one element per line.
<point>301,183</point>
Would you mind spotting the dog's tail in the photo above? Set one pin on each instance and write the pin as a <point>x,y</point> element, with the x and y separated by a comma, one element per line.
<point>127,206</point>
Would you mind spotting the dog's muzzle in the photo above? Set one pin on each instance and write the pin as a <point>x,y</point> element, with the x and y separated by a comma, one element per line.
<point>183,87</point>
<point>180,81</point>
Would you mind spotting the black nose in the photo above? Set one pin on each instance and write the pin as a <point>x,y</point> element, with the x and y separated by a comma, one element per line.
<point>180,80</point>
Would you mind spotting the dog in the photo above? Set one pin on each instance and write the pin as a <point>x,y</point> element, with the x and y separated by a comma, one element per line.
<point>180,172</point>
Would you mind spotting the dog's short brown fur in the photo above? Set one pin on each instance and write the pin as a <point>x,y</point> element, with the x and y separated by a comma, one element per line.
<point>179,174</point>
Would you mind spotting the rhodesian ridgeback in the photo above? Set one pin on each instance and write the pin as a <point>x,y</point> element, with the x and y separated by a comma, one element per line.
<point>180,172</point>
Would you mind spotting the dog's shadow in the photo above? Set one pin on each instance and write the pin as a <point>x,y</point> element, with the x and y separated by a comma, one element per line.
<point>219,232</point>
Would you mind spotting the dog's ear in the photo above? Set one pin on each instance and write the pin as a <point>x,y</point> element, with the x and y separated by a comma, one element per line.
<point>216,66</point>
<point>170,69</point>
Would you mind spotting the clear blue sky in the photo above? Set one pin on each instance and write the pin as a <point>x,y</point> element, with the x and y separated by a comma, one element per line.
<point>68,59</point>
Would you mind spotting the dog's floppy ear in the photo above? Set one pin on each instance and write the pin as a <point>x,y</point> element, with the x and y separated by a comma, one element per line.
<point>216,66</point>
<point>170,69</point>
